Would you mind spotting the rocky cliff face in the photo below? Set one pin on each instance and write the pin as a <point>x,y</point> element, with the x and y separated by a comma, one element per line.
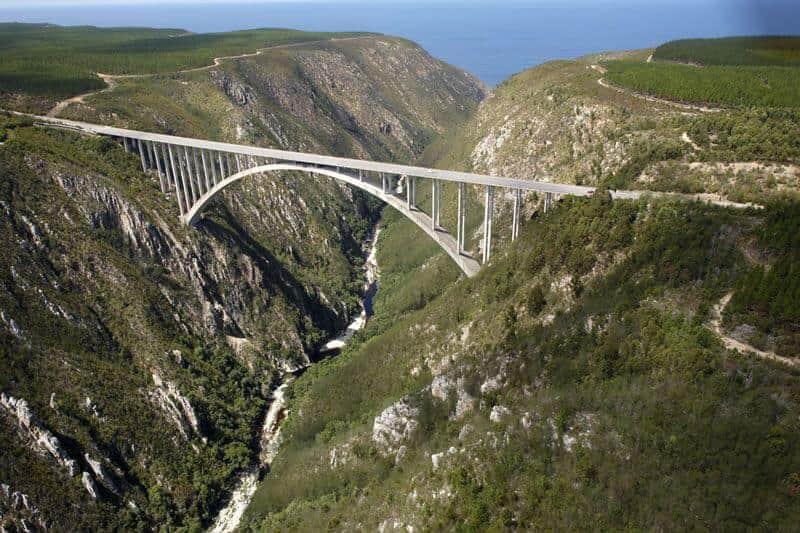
<point>141,350</point>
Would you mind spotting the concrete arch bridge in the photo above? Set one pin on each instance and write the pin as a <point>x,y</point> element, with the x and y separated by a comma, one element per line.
<point>197,170</point>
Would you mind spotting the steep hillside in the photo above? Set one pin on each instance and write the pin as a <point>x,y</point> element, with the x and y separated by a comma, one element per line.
<point>576,383</point>
<point>564,121</point>
<point>138,353</point>
<point>623,365</point>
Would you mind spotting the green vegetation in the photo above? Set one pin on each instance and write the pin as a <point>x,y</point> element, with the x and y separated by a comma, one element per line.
<point>729,72</point>
<point>49,60</point>
<point>754,51</point>
<point>715,85</point>
<point>677,421</point>
<point>767,297</point>
<point>100,332</point>
<point>751,135</point>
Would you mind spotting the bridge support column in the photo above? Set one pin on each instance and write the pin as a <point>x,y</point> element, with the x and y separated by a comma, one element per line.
<point>487,224</point>
<point>461,217</point>
<point>198,174</point>
<point>161,178</point>
<point>383,183</point>
<point>222,173</point>
<point>188,177</point>
<point>413,184</point>
<point>165,159</point>
<point>548,200</point>
<point>213,167</point>
<point>437,221</point>
<point>178,181</point>
<point>516,215</point>
<point>141,155</point>
<point>434,203</point>
<point>238,164</point>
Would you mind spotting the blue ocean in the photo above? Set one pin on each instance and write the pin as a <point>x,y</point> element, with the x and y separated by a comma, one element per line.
<point>493,40</point>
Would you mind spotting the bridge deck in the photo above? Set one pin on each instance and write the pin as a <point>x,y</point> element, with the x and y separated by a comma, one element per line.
<point>340,162</point>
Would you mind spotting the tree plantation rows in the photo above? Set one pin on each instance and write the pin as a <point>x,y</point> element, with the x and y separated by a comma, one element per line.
<point>716,85</point>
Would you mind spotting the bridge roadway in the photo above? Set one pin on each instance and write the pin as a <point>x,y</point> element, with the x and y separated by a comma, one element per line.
<point>178,162</point>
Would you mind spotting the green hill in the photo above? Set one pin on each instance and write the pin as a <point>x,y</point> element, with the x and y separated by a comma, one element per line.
<point>782,51</point>
<point>730,72</point>
<point>59,61</point>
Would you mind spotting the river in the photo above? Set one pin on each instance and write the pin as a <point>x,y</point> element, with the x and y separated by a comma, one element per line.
<point>230,516</point>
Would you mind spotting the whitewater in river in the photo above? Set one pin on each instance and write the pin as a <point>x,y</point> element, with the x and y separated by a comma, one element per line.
<point>229,517</point>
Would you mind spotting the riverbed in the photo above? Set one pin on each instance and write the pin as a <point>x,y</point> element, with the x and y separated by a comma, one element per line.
<point>230,516</point>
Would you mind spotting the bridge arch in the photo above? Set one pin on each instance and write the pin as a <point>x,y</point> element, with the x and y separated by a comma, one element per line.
<point>445,240</point>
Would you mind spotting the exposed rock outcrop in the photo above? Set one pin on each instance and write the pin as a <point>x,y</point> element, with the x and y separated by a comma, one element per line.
<point>394,425</point>
<point>38,437</point>
<point>176,406</point>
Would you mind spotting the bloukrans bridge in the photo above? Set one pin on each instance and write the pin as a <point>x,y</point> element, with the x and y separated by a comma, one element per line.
<point>197,170</point>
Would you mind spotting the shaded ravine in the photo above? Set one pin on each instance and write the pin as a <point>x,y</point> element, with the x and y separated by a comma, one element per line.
<point>230,516</point>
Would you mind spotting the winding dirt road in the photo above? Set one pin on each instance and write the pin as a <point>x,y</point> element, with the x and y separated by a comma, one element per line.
<point>111,79</point>
<point>733,344</point>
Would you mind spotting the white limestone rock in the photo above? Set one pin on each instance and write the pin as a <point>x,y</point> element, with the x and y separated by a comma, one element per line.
<point>176,406</point>
<point>465,403</point>
<point>39,438</point>
<point>15,328</point>
<point>394,425</point>
<point>90,486</point>
<point>436,459</point>
<point>441,386</point>
<point>101,474</point>
<point>498,413</point>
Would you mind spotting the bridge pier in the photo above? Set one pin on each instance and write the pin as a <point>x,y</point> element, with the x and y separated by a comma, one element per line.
<point>162,180</point>
<point>461,218</point>
<point>176,180</point>
<point>205,169</point>
<point>212,164</point>
<point>548,200</point>
<point>487,224</point>
<point>516,215</point>
<point>165,159</point>
<point>436,203</point>
<point>141,156</point>
<point>186,177</point>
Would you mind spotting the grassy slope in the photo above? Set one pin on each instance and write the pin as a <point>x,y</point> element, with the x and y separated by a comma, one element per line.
<point>734,72</point>
<point>678,419</point>
<point>56,61</point>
